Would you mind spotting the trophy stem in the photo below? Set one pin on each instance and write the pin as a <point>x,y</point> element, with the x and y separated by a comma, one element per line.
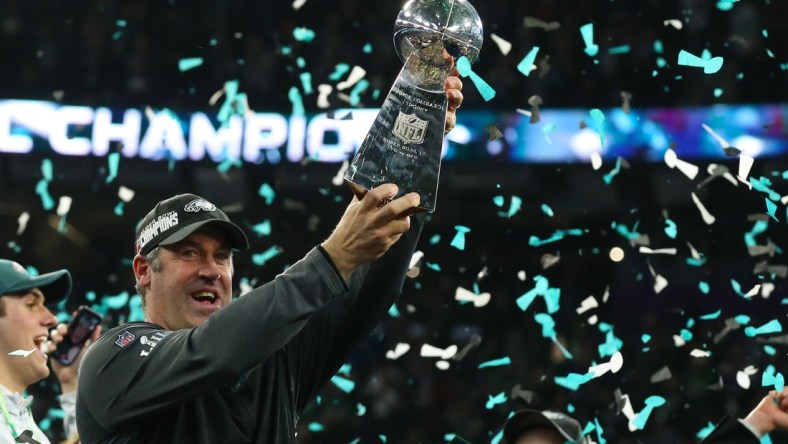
<point>404,144</point>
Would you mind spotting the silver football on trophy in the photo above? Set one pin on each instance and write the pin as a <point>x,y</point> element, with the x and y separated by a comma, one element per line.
<point>437,33</point>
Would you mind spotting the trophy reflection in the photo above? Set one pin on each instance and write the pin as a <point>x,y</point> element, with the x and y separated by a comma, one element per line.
<point>404,144</point>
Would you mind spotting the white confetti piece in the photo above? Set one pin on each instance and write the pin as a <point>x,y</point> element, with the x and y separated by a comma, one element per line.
<point>753,291</point>
<point>606,296</point>
<point>693,252</point>
<point>324,90</point>
<point>593,320</point>
<point>64,204</point>
<point>743,376</point>
<point>674,23</point>
<point>297,4</point>
<point>23,219</point>
<point>22,353</point>
<point>767,289</point>
<point>356,74</point>
<point>672,160</point>
<point>125,194</point>
<point>587,304</point>
<point>678,341</point>
<point>724,143</point>
<point>503,45</point>
<point>647,250</point>
<point>697,353</point>
<point>745,164</point>
<point>524,112</point>
<point>613,366</point>
<point>521,275</point>
<point>479,300</point>
<point>707,217</point>
<point>711,169</point>
<point>340,176</point>
<point>596,161</point>
<point>399,350</point>
<point>429,351</point>
<point>442,365</point>
<point>417,256</point>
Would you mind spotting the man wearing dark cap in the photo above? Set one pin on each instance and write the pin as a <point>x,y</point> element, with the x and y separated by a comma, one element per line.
<point>204,370</point>
<point>24,332</point>
<point>542,427</point>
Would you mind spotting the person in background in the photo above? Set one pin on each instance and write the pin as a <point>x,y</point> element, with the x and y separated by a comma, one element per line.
<point>770,414</point>
<point>205,368</point>
<point>25,341</point>
<point>542,427</point>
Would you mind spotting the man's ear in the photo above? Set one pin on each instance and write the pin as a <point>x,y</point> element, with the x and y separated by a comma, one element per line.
<point>142,271</point>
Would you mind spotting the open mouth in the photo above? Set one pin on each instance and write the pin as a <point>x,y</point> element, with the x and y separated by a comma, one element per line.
<point>40,343</point>
<point>205,297</point>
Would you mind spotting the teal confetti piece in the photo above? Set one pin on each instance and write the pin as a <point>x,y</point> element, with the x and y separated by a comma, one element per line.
<point>263,228</point>
<point>261,258</point>
<point>189,63</point>
<point>718,92</point>
<point>498,201</point>
<point>587,32</point>
<point>306,82</point>
<point>725,5</point>
<point>298,104</point>
<point>710,66</point>
<point>623,49</point>
<point>492,401</point>
<point>742,319</point>
<point>599,117</point>
<point>358,89</point>
<point>496,362</point>
<point>432,266</point>
<point>611,345</point>
<point>346,385</point>
<point>526,64</point>
<point>769,350</point>
<point>547,129</point>
<point>267,193</point>
<point>301,62</point>
<point>315,427</point>
<point>47,170</point>
<point>547,210</point>
<point>706,431</point>
<point>394,311</point>
<point>113,161</point>
<point>303,34</point>
<point>117,301</point>
<point>771,208</point>
<point>459,239</point>
<point>515,206</point>
<point>228,163</point>
<point>382,438</point>
<point>345,369</point>
<point>213,42</point>
<point>464,68</point>
<point>599,431</point>
<point>119,209</point>
<point>652,401</point>
<point>367,49</point>
<point>645,338</point>
<point>711,316</point>
<point>435,239</point>
<point>671,230</point>
<point>361,409</point>
<point>608,178</point>
<point>339,71</point>
<point>772,326</point>
<point>573,381</point>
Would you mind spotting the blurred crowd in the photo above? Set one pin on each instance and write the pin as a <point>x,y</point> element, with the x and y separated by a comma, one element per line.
<point>126,54</point>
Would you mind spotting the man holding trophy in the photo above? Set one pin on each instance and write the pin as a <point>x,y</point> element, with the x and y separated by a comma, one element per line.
<point>205,368</point>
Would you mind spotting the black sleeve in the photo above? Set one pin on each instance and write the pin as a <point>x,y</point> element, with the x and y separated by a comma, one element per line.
<point>317,353</point>
<point>731,431</point>
<point>155,369</point>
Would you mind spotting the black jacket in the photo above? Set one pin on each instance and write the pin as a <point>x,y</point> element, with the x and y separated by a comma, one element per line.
<point>731,431</point>
<point>248,372</point>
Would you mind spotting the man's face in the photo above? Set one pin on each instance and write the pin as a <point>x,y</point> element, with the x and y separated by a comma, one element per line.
<point>540,435</point>
<point>25,326</point>
<point>195,280</point>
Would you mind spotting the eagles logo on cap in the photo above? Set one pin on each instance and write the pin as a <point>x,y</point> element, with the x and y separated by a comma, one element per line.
<point>173,220</point>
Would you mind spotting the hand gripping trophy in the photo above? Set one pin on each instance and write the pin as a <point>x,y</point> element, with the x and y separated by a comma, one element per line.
<point>405,141</point>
